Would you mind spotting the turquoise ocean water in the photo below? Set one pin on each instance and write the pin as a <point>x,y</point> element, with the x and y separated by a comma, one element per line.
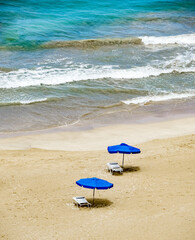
<point>87,62</point>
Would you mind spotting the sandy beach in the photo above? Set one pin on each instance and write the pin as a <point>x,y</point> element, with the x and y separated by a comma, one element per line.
<point>77,77</point>
<point>153,199</point>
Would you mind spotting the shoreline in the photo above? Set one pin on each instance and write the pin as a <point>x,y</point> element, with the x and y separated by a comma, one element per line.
<point>152,113</point>
<point>100,138</point>
<point>12,125</point>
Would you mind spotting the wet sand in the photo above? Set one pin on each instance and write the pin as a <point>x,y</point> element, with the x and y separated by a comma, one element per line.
<point>153,199</point>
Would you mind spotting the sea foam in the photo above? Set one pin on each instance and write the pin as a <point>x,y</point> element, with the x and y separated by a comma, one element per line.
<point>158,98</point>
<point>184,39</point>
<point>56,76</point>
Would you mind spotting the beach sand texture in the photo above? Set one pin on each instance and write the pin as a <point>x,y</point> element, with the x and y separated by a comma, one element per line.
<point>153,199</point>
<point>77,77</point>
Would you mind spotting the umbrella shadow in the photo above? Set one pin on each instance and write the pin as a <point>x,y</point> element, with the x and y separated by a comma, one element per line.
<point>131,169</point>
<point>100,202</point>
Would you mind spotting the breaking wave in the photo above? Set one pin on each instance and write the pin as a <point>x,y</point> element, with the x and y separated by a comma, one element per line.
<point>158,98</point>
<point>184,39</point>
<point>41,76</point>
<point>23,102</point>
<point>92,43</point>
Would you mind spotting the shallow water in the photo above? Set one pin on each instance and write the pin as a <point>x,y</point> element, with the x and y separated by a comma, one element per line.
<point>141,57</point>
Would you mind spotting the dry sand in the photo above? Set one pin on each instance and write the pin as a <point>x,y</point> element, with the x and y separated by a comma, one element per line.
<point>153,199</point>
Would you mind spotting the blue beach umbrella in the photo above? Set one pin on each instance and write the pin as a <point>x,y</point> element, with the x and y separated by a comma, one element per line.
<point>124,149</point>
<point>94,183</point>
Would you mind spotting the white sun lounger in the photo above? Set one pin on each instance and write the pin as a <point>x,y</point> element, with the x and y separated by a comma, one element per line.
<point>81,202</point>
<point>114,168</point>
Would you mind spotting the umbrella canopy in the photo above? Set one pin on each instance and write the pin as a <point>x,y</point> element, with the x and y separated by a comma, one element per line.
<point>124,149</point>
<point>94,183</point>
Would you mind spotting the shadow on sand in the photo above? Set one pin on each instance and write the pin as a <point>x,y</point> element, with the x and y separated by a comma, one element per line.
<point>100,202</point>
<point>131,169</point>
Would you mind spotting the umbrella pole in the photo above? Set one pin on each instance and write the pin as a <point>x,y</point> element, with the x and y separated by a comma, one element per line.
<point>93,195</point>
<point>123,161</point>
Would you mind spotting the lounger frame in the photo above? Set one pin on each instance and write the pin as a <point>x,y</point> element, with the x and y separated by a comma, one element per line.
<point>114,168</point>
<point>81,201</point>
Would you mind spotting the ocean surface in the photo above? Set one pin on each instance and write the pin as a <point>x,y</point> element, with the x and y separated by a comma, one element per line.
<point>81,62</point>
